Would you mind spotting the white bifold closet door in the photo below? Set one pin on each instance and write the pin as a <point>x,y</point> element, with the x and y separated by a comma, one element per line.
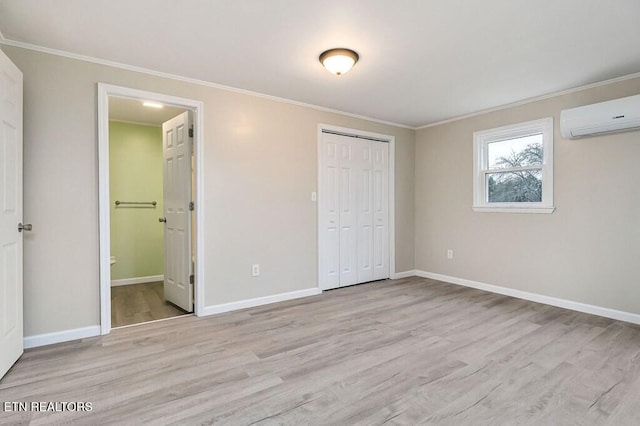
<point>354,210</point>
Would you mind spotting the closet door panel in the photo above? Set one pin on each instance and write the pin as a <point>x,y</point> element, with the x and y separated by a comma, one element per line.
<point>329,215</point>
<point>348,216</point>
<point>381,210</point>
<point>365,211</point>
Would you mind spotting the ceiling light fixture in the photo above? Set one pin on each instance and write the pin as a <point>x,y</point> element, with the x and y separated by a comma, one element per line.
<point>339,61</point>
<point>152,104</point>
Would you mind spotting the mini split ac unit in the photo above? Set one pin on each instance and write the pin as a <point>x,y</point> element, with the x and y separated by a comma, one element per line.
<point>605,117</point>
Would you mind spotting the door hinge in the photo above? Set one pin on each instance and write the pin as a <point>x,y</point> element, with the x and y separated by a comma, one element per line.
<point>191,132</point>
<point>192,279</point>
<point>192,206</point>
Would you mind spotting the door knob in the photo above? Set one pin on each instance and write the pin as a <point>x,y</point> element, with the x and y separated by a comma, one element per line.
<point>162,219</point>
<point>25,227</point>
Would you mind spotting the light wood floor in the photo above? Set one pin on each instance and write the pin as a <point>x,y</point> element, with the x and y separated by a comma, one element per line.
<point>411,351</point>
<point>136,303</point>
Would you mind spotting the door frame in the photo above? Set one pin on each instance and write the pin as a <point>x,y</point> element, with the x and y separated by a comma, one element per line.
<point>104,92</point>
<point>391,140</point>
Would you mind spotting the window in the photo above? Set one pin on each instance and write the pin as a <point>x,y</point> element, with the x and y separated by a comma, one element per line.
<point>513,168</point>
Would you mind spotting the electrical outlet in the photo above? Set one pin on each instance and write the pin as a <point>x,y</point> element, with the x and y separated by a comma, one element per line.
<point>314,196</point>
<point>449,254</point>
<point>255,270</point>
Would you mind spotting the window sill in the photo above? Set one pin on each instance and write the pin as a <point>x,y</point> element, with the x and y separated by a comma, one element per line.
<point>518,209</point>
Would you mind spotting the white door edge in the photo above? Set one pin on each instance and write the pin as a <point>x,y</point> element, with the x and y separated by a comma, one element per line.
<point>12,242</point>
<point>391,140</point>
<point>104,92</point>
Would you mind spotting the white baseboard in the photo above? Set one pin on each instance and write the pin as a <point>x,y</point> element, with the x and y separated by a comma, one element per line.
<point>61,336</point>
<point>534,297</point>
<point>405,274</point>
<point>259,301</point>
<point>137,280</point>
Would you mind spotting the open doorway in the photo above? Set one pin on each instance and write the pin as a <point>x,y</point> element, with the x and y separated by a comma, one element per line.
<point>137,183</point>
<point>149,181</point>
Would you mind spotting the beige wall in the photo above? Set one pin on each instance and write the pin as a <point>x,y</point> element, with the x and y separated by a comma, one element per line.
<point>260,168</point>
<point>586,251</point>
<point>259,171</point>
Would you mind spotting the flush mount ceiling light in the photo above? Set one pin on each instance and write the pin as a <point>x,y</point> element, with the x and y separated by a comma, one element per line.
<point>338,61</point>
<point>152,104</point>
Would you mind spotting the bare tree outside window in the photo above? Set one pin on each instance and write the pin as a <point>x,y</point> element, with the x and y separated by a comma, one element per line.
<point>517,185</point>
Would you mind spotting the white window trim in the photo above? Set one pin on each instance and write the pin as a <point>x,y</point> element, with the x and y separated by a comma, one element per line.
<point>480,141</point>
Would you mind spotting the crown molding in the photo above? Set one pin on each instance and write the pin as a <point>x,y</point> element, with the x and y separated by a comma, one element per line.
<point>531,100</point>
<point>85,58</point>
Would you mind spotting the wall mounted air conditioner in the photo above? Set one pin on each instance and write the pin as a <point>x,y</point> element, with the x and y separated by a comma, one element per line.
<point>617,115</point>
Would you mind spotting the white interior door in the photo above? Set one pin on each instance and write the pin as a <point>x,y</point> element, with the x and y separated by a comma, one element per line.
<point>11,314</point>
<point>348,230</point>
<point>177,149</point>
<point>329,235</point>
<point>353,210</point>
<point>380,249</point>
<point>365,210</point>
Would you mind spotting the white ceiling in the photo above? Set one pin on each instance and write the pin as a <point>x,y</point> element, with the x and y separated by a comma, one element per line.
<point>133,111</point>
<point>421,61</point>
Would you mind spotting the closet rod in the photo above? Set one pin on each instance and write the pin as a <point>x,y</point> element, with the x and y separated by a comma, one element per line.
<point>152,203</point>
